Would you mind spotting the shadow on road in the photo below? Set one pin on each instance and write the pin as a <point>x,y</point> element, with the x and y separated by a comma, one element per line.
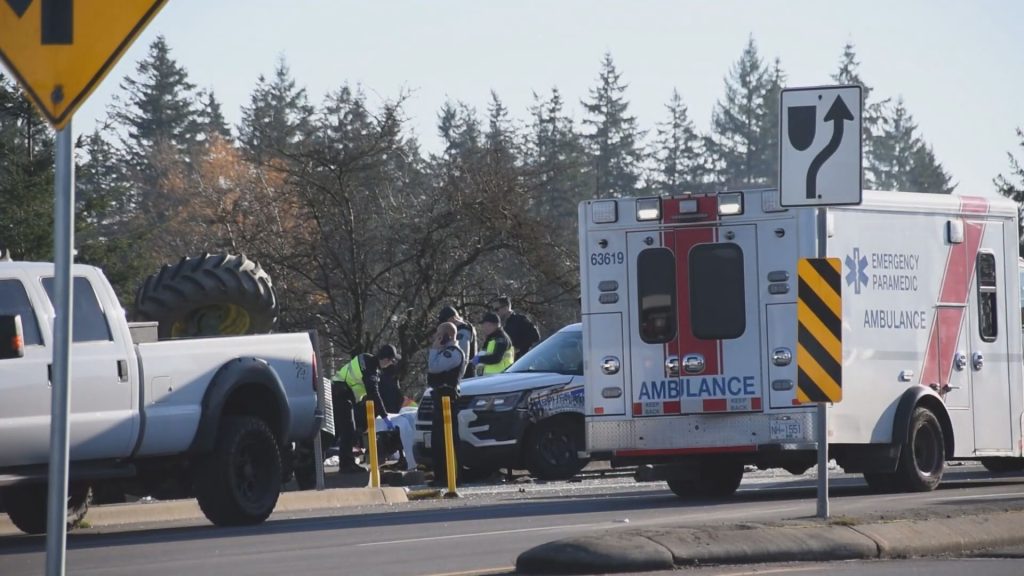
<point>560,505</point>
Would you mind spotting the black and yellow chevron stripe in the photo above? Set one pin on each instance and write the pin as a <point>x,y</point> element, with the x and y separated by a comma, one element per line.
<point>819,356</point>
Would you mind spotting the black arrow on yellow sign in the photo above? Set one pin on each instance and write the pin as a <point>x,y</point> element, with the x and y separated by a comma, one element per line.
<point>57,19</point>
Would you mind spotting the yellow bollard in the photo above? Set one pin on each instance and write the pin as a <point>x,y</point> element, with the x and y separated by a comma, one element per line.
<point>371,437</point>
<point>449,447</point>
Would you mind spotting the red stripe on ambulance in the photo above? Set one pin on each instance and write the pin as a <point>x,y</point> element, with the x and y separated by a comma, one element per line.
<point>956,283</point>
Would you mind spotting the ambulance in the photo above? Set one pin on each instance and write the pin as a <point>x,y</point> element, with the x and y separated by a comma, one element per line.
<point>689,308</point>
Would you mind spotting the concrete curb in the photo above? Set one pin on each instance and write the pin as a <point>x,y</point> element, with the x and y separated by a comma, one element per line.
<point>635,550</point>
<point>181,510</point>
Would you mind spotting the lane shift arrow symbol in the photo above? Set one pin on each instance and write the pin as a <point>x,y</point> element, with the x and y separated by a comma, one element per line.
<point>837,114</point>
<point>57,19</point>
<point>19,6</point>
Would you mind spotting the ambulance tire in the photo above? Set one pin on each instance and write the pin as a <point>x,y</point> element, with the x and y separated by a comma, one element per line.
<point>713,480</point>
<point>923,457</point>
<point>881,482</point>
<point>1003,464</point>
<point>719,479</point>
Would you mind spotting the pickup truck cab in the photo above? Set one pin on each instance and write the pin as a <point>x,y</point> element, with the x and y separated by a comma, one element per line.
<point>214,417</point>
<point>528,417</point>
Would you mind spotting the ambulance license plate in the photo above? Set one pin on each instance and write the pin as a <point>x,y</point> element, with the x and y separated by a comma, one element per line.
<point>786,428</point>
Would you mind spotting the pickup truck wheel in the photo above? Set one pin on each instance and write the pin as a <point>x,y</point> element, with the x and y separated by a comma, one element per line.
<point>553,447</point>
<point>208,296</point>
<point>26,506</point>
<point>239,482</point>
<point>923,457</point>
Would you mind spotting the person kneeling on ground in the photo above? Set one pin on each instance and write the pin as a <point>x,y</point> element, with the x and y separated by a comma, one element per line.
<point>360,378</point>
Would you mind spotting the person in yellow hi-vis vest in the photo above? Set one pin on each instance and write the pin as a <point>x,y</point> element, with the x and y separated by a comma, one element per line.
<point>358,379</point>
<point>497,354</point>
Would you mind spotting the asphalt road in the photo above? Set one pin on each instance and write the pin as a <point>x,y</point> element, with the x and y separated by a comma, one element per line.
<point>482,532</point>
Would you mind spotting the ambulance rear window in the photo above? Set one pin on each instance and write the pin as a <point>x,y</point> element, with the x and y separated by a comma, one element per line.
<point>717,302</point>
<point>656,286</point>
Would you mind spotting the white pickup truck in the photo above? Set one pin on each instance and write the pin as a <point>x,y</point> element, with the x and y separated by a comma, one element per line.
<point>214,418</point>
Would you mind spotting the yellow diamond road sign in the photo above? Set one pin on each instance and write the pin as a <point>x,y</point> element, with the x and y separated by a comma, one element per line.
<point>60,50</point>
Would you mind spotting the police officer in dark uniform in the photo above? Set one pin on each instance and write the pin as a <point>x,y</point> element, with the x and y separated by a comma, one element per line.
<point>446,363</point>
<point>465,334</point>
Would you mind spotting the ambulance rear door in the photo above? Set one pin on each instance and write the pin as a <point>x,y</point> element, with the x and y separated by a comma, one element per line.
<point>695,334</point>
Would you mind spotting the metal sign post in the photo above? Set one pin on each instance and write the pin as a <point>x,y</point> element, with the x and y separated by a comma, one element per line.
<point>820,164</point>
<point>63,246</point>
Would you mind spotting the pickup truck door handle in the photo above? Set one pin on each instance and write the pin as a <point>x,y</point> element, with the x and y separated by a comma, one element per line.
<point>122,370</point>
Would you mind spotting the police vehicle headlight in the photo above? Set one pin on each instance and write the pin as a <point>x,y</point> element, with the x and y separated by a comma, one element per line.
<point>496,402</point>
<point>730,204</point>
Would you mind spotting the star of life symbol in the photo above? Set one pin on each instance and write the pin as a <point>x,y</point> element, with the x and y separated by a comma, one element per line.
<point>856,264</point>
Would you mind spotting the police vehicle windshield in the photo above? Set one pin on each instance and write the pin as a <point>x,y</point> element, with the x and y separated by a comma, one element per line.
<point>561,353</point>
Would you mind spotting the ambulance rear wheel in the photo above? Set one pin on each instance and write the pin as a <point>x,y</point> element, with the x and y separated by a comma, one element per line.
<point>923,457</point>
<point>711,480</point>
<point>719,479</point>
<point>880,482</point>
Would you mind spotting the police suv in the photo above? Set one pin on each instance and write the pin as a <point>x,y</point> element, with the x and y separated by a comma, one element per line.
<point>528,417</point>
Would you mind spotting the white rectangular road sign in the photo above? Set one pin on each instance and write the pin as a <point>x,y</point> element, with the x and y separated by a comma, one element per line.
<point>820,146</point>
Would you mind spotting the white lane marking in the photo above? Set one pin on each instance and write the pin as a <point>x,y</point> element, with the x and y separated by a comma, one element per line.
<point>976,496</point>
<point>480,572</point>
<point>790,569</point>
<point>494,533</point>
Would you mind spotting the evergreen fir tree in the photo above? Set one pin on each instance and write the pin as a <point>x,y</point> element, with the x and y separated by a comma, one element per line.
<point>873,112</point>
<point>900,159</point>
<point>501,138</point>
<point>558,162</point>
<point>26,177</point>
<point>277,118</point>
<point>1012,185</point>
<point>768,160</point>
<point>614,139</point>
<point>211,118</point>
<point>158,114</point>
<point>678,151</point>
<point>741,139</point>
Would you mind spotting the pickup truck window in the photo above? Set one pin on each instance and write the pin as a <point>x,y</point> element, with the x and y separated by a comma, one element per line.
<point>14,301</point>
<point>90,324</point>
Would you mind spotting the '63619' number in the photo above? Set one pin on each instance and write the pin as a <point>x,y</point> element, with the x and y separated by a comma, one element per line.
<point>607,258</point>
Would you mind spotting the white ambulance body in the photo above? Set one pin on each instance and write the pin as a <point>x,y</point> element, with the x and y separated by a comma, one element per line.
<point>690,336</point>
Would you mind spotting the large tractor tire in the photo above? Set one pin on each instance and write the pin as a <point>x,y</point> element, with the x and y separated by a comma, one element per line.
<point>209,295</point>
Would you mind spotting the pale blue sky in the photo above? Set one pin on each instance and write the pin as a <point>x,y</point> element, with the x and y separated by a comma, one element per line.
<point>958,65</point>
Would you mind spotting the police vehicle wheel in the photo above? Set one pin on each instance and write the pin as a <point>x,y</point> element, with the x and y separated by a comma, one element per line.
<point>880,482</point>
<point>718,479</point>
<point>1003,464</point>
<point>26,506</point>
<point>239,482</point>
<point>923,457</point>
<point>477,473</point>
<point>553,448</point>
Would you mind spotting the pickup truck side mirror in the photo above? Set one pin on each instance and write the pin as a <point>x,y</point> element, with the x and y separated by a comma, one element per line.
<point>12,342</point>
